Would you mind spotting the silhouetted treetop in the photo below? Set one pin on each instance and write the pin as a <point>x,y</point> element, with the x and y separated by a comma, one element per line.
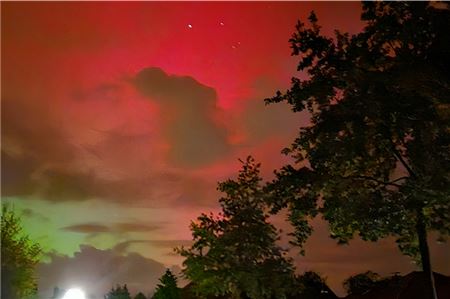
<point>140,296</point>
<point>375,159</point>
<point>361,283</point>
<point>167,287</point>
<point>119,292</point>
<point>19,257</point>
<point>235,253</point>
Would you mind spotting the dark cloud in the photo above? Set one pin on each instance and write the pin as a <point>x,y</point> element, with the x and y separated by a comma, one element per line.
<point>27,175</point>
<point>188,109</point>
<point>20,178</point>
<point>135,227</point>
<point>167,244</point>
<point>87,228</point>
<point>37,156</point>
<point>40,161</point>
<point>16,175</point>
<point>63,184</point>
<point>171,243</point>
<point>120,227</point>
<point>31,143</point>
<point>45,156</point>
<point>95,271</point>
<point>32,130</point>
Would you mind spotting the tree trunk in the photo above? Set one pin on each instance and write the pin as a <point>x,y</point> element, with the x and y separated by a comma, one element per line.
<point>425,255</point>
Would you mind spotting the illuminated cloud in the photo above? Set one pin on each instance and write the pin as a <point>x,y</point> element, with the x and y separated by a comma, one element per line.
<point>95,271</point>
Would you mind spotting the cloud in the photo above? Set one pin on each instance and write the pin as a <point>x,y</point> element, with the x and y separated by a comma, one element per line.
<point>166,244</point>
<point>97,143</point>
<point>120,227</point>
<point>171,243</point>
<point>95,271</point>
<point>37,154</point>
<point>16,175</point>
<point>31,129</point>
<point>188,110</point>
<point>32,142</point>
<point>20,178</point>
<point>88,228</point>
<point>134,227</point>
<point>112,145</point>
<point>39,161</point>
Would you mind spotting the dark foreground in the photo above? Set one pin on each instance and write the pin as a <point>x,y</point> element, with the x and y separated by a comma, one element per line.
<point>410,286</point>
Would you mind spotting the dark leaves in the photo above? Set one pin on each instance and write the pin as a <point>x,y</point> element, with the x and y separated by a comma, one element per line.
<point>378,141</point>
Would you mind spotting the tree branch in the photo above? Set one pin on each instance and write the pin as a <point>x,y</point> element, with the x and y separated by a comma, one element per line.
<point>403,162</point>
<point>369,178</point>
<point>399,179</point>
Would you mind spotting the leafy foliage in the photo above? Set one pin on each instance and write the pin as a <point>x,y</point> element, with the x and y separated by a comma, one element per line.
<point>312,286</point>
<point>368,281</point>
<point>140,296</point>
<point>375,160</point>
<point>19,257</point>
<point>118,293</point>
<point>167,288</point>
<point>361,283</point>
<point>235,252</point>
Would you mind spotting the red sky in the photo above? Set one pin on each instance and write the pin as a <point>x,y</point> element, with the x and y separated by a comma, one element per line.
<point>118,119</point>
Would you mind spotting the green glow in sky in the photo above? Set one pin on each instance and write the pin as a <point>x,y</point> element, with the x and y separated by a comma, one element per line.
<point>45,223</point>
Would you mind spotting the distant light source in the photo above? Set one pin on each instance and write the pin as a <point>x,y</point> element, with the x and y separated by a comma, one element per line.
<point>74,294</point>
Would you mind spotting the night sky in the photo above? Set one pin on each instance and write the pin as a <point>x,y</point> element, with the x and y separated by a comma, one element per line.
<point>119,119</point>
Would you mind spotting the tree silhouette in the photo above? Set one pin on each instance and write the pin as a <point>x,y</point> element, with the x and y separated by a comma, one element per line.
<point>377,151</point>
<point>312,286</point>
<point>167,288</point>
<point>140,296</point>
<point>118,293</point>
<point>19,257</point>
<point>361,283</point>
<point>235,253</point>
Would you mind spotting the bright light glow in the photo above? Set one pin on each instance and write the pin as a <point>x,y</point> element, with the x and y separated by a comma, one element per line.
<point>74,294</point>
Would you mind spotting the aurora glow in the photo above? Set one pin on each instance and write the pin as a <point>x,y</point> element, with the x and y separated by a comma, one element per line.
<point>119,119</point>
